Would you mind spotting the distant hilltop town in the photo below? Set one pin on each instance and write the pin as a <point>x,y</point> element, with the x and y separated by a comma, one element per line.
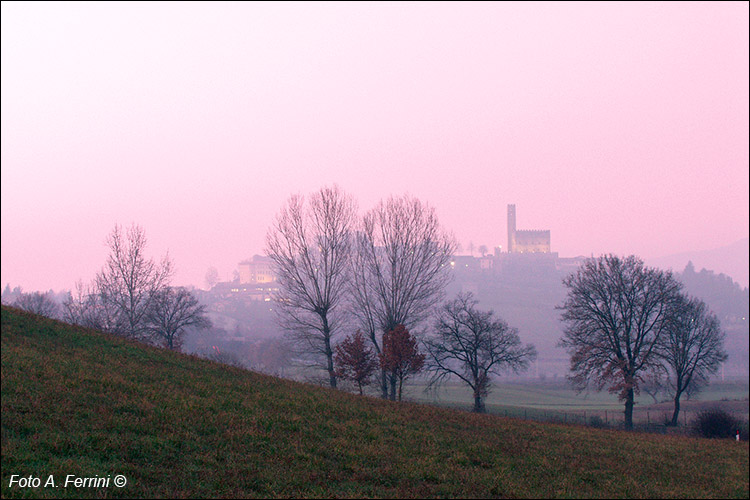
<point>526,248</point>
<point>255,278</point>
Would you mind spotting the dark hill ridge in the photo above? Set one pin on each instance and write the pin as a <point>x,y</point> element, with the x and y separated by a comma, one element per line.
<point>731,260</point>
<point>80,402</point>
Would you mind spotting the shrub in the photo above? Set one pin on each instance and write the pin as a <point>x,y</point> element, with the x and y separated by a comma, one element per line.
<point>596,421</point>
<point>717,423</point>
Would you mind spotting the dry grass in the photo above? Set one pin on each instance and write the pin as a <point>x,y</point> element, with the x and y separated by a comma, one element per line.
<point>80,402</point>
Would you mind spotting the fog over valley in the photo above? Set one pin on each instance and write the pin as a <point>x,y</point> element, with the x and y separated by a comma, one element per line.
<point>375,249</point>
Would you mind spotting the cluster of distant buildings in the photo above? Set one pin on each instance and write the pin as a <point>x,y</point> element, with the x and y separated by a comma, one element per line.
<point>532,247</point>
<point>256,279</point>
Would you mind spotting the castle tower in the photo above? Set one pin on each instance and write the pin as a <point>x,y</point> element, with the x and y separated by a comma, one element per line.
<point>511,228</point>
<point>526,241</point>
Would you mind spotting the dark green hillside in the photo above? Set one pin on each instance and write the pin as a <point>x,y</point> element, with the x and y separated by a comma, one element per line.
<point>83,403</point>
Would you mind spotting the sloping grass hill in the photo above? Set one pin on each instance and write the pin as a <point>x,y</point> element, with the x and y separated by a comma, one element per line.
<point>80,404</point>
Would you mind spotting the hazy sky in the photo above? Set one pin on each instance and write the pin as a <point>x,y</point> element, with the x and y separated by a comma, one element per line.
<point>621,127</point>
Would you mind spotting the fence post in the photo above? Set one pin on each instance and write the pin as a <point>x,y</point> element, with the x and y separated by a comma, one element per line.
<point>606,420</point>
<point>585,422</point>
<point>648,418</point>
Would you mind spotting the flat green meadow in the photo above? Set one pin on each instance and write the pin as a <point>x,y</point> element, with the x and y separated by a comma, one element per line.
<point>80,403</point>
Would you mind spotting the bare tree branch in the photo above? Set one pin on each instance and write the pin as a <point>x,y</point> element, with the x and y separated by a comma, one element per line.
<point>616,312</point>
<point>693,348</point>
<point>86,308</point>
<point>472,345</point>
<point>310,246</point>
<point>39,303</point>
<point>400,268</point>
<point>129,280</point>
<point>171,312</point>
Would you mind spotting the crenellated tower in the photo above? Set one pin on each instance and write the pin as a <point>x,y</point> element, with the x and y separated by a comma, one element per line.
<point>526,241</point>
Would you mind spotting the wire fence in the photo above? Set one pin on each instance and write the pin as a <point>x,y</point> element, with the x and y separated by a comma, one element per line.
<point>658,422</point>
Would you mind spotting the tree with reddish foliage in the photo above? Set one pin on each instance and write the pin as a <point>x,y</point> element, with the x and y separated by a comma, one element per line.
<point>355,360</point>
<point>400,358</point>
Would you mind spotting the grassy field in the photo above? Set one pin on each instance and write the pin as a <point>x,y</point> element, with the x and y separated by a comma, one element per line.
<point>84,404</point>
<point>536,398</point>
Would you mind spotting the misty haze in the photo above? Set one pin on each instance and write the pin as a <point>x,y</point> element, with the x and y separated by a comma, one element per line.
<point>406,250</point>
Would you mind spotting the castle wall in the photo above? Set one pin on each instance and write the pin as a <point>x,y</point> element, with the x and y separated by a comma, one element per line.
<point>532,241</point>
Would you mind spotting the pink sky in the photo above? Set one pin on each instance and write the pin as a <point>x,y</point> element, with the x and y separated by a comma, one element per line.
<point>621,127</point>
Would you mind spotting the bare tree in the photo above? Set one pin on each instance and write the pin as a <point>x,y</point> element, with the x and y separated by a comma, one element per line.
<point>693,348</point>
<point>10,296</point>
<point>400,269</point>
<point>616,313</point>
<point>74,306</point>
<point>483,250</point>
<point>310,246</point>
<point>172,311</point>
<point>473,345</point>
<point>129,281</point>
<point>38,303</point>
<point>84,308</point>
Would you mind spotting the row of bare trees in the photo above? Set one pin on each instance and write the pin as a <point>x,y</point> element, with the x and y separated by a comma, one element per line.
<point>131,296</point>
<point>629,325</point>
<point>382,275</point>
<point>386,273</point>
<point>43,304</point>
<point>384,270</point>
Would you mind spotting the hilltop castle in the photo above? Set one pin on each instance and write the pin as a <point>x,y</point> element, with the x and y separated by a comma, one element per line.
<point>525,241</point>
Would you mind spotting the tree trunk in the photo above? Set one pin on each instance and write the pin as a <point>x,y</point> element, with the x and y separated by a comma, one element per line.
<point>480,384</point>
<point>629,402</point>
<point>478,403</point>
<point>676,413</point>
<point>400,385</point>
<point>383,385</point>
<point>329,353</point>
<point>392,389</point>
